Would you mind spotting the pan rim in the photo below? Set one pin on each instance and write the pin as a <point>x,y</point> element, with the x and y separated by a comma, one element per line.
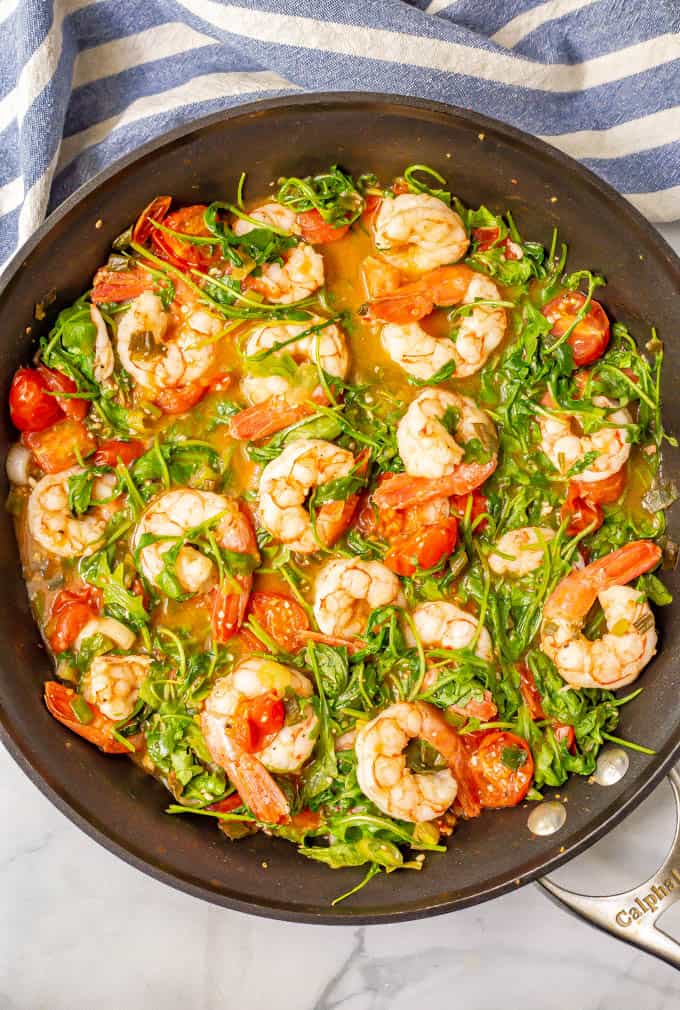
<point>20,751</point>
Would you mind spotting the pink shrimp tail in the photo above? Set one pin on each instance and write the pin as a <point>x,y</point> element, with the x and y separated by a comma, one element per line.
<point>413,301</point>
<point>402,491</point>
<point>443,737</point>
<point>265,419</point>
<point>575,594</point>
<point>229,609</point>
<point>351,644</point>
<point>250,778</point>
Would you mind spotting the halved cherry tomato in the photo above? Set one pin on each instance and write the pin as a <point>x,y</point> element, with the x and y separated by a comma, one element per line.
<point>155,211</point>
<point>423,549</point>
<point>602,492</point>
<point>57,382</point>
<point>281,617</point>
<point>530,693</point>
<point>181,398</point>
<point>503,767</point>
<point>267,713</point>
<point>30,405</point>
<point>113,451</point>
<point>580,511</point>
<point>59,447</point>
<point>119,285</point>
<point>189,221</point>
<point>565,733</point>
<point>590,338</point>
<point>480,505</point>
<point>255,719</point>
<point>71,611</point>
<point>316,230</point>
<point>58,699</point>
<point>305,820</point>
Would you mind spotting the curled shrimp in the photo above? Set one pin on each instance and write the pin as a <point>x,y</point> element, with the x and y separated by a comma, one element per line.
<point>433,456</point>
<point>520,551</point>
<point>384,777</point>
<point>56,529</point>
<point>565,447</point>
<point>285,485</point>
<point>629,643</point>
<point>418,232</point>
<point>302,270</point>
<point>346,592</point>
<point>112,683</point>
<point>167,525</point>
<point>284,749</point>
<point>443,625</point>
<point>163,350</point>
<point>325,348</point>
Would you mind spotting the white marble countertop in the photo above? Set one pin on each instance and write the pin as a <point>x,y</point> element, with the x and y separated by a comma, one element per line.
<point>81,930</point>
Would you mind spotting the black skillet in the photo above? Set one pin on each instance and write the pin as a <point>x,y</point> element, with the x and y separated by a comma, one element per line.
<point>484,162</point>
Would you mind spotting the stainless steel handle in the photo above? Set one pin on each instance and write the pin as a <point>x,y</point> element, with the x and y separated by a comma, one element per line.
<point>632,915</point>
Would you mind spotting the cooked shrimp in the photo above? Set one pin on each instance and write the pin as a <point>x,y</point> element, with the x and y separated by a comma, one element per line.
<point>325,347</point>
<point>274,214</point>
<point>172,517</point>
<point>161,350</point>
<point>300,276</point>
<point>285,485</point>
<point>112,683</point>
<point>565,447</point>
<point>419,353</point>
<point>347,590</point>
<point>521,551</point>
<point>287,749</point>
<point>417,232</point>
<point>383,775</point>
<point>55,528</point>
<point>282,751</point>
<point>629,643</point>
<point>104,361</point>
<point>434,458</point>
<point>443,625</point>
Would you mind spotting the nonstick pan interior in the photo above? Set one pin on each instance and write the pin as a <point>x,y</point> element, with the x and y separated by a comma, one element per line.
<point>484,162</point>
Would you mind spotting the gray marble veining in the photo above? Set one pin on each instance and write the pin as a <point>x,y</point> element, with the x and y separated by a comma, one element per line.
<point>81,930</point>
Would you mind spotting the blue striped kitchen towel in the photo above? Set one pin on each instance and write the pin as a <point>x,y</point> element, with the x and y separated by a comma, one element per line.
<point>84,81</point>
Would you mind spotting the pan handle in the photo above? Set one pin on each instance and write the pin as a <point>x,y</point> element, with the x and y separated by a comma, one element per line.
<point>632,915</point>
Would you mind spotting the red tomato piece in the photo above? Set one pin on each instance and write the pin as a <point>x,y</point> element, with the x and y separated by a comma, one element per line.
<point>486,238</point>
<point>423,549</point>
<point>530,692</point>
<point>371,203</point>
<point>502,767</point>
<point>590,337</point>
<point>30,405</point>
<point>71,611</point>
<point>59,447</point>
<point>114,450</point>
<point>155,211</point>
<point>226,805</point>
<point>267,713</point>
<point>316,230</point>
<point>187,221</point>
<point>281,617</point>
<point>602,492</point>
<point>99,731</point>
<point>480,505</point>
<point>57,382</point>
<point>181,398</point>
<point>581,512</point>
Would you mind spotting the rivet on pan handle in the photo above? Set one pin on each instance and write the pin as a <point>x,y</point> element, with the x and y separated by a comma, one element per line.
<point>632,915</point>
